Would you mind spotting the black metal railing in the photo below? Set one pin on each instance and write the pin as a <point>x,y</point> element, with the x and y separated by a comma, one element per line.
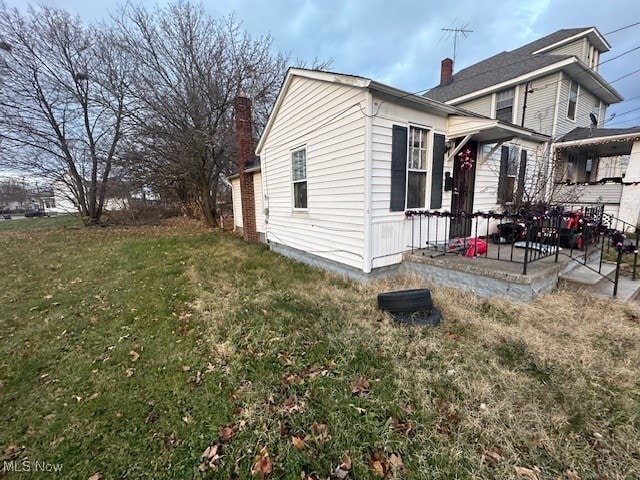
<point>525,236</point>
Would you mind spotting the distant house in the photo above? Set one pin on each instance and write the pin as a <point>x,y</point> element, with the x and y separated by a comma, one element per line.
<point>342,158</point>
<point>552,86</point>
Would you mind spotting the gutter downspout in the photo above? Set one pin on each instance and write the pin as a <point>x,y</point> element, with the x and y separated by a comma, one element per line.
<point>368,178</point>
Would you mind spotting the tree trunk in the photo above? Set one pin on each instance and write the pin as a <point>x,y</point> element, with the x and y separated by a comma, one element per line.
<point>206,208</point>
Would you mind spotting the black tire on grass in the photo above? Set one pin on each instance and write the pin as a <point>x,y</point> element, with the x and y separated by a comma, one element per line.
<point>406,300</point>
<point>430,318</point>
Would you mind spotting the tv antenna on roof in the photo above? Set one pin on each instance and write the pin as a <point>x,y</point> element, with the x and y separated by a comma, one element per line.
<point>456,33</point>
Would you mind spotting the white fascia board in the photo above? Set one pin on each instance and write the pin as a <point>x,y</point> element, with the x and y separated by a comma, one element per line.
<point>588,141</point>
<point>593,32</point>
<point>398,94</point>
<point>572,61</point>
<point>353,81</point>
<point>514,81</point>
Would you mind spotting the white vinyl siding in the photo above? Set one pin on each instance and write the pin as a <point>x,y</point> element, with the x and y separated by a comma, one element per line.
<point>579,49</point>
<point>391,231</point>
<point>237,202</point>
<point>259,201</point>
<point>317,114</point>
<point>541,101</point>
<point>482,105</point>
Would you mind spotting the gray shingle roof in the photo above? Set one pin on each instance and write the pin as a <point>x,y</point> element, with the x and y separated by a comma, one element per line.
<point>502,67</point>
<point>582,133</point>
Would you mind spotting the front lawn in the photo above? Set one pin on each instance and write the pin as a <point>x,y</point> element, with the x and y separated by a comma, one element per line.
<point>173,352</point>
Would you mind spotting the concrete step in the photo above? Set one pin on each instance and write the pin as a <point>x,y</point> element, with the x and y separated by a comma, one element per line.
<point>628,289</point>
<point>585,276</point>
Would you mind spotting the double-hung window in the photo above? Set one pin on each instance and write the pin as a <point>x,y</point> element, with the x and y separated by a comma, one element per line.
<point>504,105</point>
<point>417,167</point>
<point>299,178</point>
<point>573,101</point>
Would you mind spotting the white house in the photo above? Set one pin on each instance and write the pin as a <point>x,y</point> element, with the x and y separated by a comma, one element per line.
<point>552,85</point>
<point>343,157</point>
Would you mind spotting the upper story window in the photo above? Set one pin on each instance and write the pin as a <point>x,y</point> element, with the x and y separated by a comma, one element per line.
<point>299,178</point>
<point>504,105</point>
<point>573,101</point>
<point>417,167</point>
<point>596,110</point>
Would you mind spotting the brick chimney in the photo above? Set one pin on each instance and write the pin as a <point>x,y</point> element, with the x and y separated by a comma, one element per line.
<point>244,155</point>
<point>446,71</point>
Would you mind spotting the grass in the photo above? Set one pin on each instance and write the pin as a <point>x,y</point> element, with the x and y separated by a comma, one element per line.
<point>128,351</point>
<point>40,223</point>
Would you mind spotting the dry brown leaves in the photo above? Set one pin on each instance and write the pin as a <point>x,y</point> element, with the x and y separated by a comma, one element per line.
<point>342,471</point>
<point>492,456</point>
<point>527,473</point>
<point>383,467</point>
<point>262,466</point>
<point>225,434</point>
<point>359,386</point>
<point>209,458</point>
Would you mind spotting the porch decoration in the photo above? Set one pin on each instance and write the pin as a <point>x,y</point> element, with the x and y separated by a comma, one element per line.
<point>466,159</point>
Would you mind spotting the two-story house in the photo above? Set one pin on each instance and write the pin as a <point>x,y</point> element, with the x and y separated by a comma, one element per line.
<point>553,87</point>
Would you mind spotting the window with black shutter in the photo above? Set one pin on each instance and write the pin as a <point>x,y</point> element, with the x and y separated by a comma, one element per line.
<point>398,168</point>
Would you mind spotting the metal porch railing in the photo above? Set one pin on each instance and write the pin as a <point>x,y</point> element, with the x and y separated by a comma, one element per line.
<point>526,236</point>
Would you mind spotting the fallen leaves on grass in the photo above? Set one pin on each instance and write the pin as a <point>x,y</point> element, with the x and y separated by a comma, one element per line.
<point>130,372</point>
<point>526,473</point>
<point>379,464</point>
<point>262,466</point>
<point>134,355</point>
<point>298,443</point>
<point>491,456</point>
<point>342,471</point>
<point>209,458</point>
<point>226,434</point>
<point>96,476</point>
<point>359,386</point>
<point>403,428</point>
<point>571,475</point>
<point>11,452</point>
<point>321,432</point>
<point>196,379</point>
<point>292,405</point>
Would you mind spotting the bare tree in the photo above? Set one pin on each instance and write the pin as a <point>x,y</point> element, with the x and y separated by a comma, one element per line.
<point>190,68</point>
<point>62,102</point>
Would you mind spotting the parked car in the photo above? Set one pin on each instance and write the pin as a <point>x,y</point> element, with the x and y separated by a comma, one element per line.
<point>34,213</point>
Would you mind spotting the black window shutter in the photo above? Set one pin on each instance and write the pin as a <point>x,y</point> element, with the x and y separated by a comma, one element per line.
<point>437,173</point>
<point>398,168</point>
<point>502,179</point>
<point>521,174</point>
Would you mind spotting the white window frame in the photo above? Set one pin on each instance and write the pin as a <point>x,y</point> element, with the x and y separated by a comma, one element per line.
<point>512,91</point>
<point>575,109</point>
<point>423,151</point>
<point>296,181</point>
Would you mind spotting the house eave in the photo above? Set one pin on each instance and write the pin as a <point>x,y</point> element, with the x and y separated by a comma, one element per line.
<point>487,130</point>
<point>597,140</point>
<point>592,33</point>
<point>592,79</point>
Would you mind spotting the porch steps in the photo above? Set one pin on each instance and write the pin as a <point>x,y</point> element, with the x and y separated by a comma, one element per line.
<point>594,282</point>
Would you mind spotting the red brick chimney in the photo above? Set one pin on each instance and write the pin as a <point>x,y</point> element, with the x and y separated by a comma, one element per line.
<point>446,71</point>
<point>244,155</point>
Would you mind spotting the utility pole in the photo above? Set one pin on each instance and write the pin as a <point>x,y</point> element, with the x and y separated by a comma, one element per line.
<point>456,32</point>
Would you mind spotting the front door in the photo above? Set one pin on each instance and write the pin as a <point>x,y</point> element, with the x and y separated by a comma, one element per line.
<point>464,176</point>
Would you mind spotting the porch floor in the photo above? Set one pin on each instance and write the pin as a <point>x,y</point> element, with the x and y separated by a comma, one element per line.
<point>499,272</point>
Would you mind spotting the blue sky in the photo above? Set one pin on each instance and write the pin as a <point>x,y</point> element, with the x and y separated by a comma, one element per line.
<point>401,42</point>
